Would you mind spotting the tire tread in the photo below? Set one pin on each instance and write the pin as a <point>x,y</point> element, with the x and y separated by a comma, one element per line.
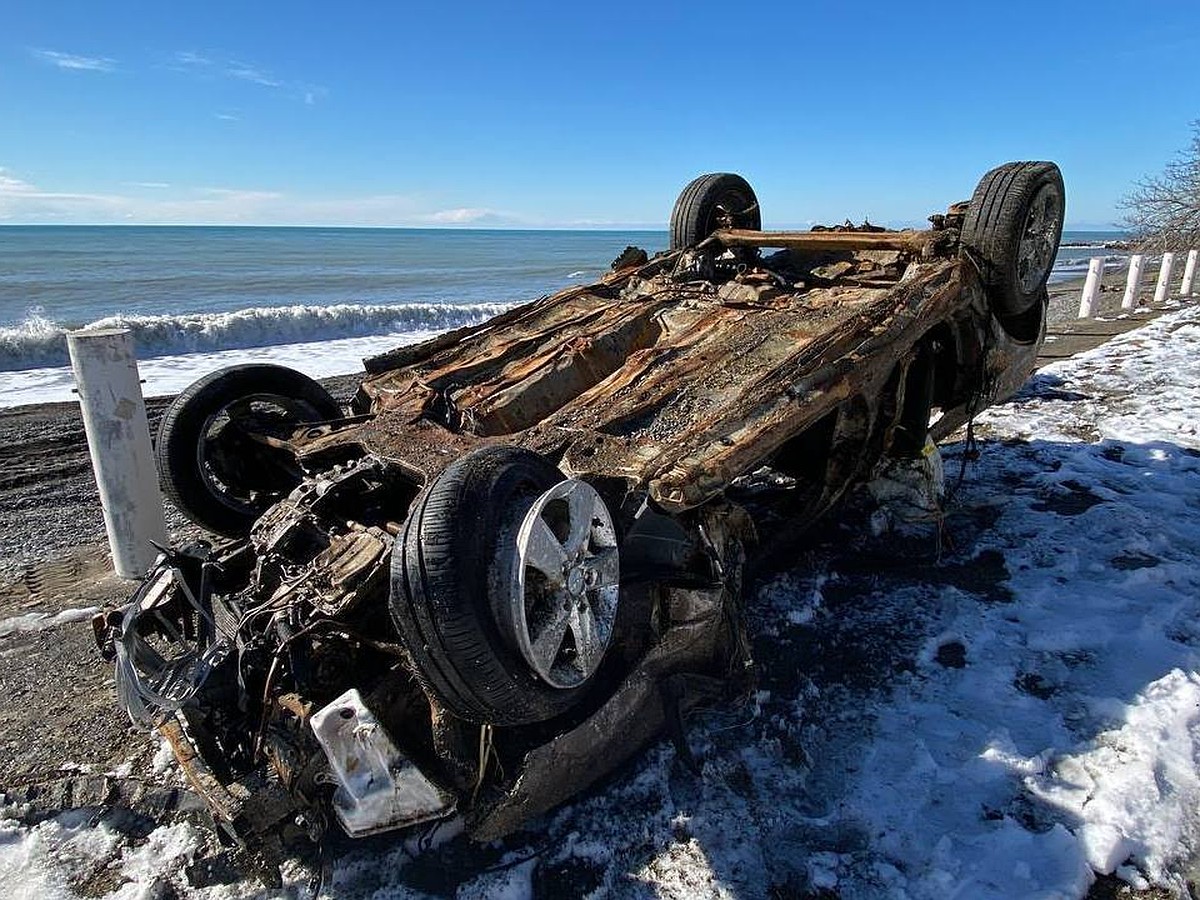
<point>688,212</point>
<point>993,225</point>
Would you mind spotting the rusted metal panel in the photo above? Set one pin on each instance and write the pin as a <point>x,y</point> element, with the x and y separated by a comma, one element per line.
<point>912,241</point>
<point>676,386</point>
<point>223,804</point>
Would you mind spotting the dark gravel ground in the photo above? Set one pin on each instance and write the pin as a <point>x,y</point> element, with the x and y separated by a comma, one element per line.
<point>47,494</point>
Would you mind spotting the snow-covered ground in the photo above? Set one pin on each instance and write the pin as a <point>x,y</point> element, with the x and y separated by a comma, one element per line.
<point>1005,722</point>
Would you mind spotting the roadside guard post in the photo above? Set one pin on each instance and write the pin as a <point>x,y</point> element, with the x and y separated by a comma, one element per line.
<point>1188,285</point>
<point>1091,288</point>
<point>118,436</point>
<point>1162,290</point>
<point>1134,281</point>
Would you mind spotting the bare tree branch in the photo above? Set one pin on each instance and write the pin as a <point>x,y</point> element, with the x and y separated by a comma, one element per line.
<point>1163,211</point>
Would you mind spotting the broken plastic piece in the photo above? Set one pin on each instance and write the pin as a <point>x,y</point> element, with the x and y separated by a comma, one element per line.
<point>378,788</point>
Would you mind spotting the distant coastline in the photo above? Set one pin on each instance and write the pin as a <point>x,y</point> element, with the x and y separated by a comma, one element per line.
<point>1101,245</point>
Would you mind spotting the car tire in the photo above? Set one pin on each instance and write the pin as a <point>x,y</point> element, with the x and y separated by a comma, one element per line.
<point>1012,230</point>
<point>706,202</point>
<point>451,568</point>
<point>222,496</point>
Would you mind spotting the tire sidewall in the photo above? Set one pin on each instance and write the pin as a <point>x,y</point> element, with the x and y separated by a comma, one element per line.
<point>493,489</point>
<point>995,224</point>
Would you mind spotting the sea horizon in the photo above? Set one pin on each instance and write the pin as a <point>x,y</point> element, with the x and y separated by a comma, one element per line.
<point>608,229</point>
<point>612,229</point>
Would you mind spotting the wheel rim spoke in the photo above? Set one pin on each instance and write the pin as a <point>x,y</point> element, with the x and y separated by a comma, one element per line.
<point>242,407</point>
<point>582,506</point>
<point>606,566</point>
<point>549,640</point>
<point>545,553</point>
<point>562,619</point>
<point>1034,256</point>
<point>589,643</point>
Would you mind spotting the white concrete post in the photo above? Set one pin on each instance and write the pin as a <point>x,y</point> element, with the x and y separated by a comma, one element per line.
<point>1134,281</point>
<point>1189,274</point>
<point>114,417</point>
<point>1091,288</point>
<point>1162,290</point>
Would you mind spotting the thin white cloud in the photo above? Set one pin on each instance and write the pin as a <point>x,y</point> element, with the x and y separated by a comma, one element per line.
<point>75,62</point>
<point>227,117</point>
<point>159,203</point>
<point>238,194</point>
<point>216,65</point>
<point>461,216</point>
<point>188,58</point>
<point>247,72</point>
<point>13,187</point>
<point>10,185</point>
<point>23,201</point>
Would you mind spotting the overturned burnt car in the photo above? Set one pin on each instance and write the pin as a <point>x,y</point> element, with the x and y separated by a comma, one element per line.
<point>517,557</point>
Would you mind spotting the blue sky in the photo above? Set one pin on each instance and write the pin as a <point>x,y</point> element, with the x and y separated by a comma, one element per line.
<point>562,114</point>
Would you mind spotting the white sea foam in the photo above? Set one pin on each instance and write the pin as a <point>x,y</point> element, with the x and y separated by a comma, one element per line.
<point>171,374</point>
<point>1075,266</point>
<point>1082,262</point>
<point>40,342</point>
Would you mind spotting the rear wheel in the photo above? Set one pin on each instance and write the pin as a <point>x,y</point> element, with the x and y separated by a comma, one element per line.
<point>1012,229</point>
<point>505,587</point>
<point>215,454</point>
<point>711,202</point>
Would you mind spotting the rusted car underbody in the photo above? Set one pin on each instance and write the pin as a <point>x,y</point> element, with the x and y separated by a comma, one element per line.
<point>518,558</point>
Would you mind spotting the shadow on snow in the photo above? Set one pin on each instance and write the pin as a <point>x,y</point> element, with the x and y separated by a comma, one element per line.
<point>909,703</point>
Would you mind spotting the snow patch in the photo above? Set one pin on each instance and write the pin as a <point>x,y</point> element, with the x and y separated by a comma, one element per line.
<point>1135,789</point>
<point>36,621</point>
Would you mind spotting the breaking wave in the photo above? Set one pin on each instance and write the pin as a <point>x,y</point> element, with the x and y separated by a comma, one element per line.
<point>1073,262</point>
<point>41,342</point>
<point>1080,263</point>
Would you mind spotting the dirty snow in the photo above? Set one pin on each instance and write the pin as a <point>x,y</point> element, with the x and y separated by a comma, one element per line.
<point>1006,721</point>
<point>41,863</point>
<point>36,621</point>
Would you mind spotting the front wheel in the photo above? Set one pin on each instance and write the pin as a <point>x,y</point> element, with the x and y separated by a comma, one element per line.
<point>505,587</point>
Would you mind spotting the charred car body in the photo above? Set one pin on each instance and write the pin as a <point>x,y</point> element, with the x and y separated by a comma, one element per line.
<point>517,558</point>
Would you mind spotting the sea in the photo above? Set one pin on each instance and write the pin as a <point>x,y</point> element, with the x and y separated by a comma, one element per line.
<point>316,299</point>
